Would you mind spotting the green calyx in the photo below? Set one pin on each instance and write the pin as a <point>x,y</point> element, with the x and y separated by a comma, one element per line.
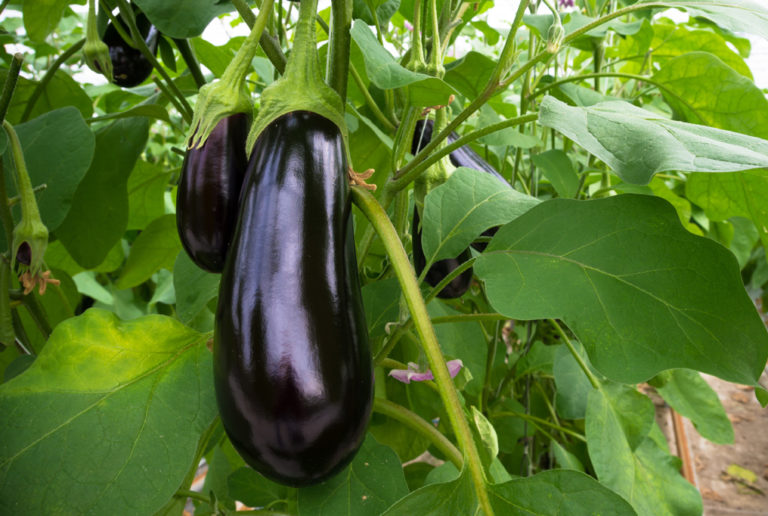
<point>30,236</point>
<point>95,51</point>
<point>302,87</point>
<point>438,173</point>
<point>229,95</point>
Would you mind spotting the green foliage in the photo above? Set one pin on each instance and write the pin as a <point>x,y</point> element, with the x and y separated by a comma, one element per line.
<point>622,234</point>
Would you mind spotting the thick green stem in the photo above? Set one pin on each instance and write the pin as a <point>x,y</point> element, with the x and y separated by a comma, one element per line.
<point>338,58</point>
<point>579,360</point>
<point>406,276</point>
<point>422,427</point>
<point>23,183</point>
<point>189,57</point>
<point>10,84</point>
<point>40,88</point>
<point>427,160</point>
<point>417,62</point>
<point>268,44</point>
<point>238,68</point>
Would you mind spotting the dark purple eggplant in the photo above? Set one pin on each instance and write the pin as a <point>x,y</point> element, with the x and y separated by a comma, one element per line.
<point>464,156</point>
<point>441,268</point>
<point>209,190</point>
<point>292,364</point>
<point>129,66</point>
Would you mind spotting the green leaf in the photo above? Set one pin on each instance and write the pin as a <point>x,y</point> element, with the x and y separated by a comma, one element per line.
<point>61,91</point>
<point>384,10</point>
<point>254,490</point>
<point>182,18</point>
<point>454,497</point>
<point>762,396</point>
<point>216,58</point>
<point>386,73</point>
<point>740,194</point>
<point>486,438</point>
<point>558,169</point>
<point>371,483</point>
<point>637,143</point>
<point>109,416</point>
<point>381,300</point>
<point>146,194</point>
<point>572,384</point>
<point>735,15</point>
<point>471,201</point>
<point>194,287</point>
<point>565,459</point>
<point>554,493</point>
<point>703,89</point>
<point>155,248</point>
<point>688,393</point>
<point>58,148</point>
<point>470,74</point>
<point>99,213</point>
<point>627,279</point>
<point>42,16</point>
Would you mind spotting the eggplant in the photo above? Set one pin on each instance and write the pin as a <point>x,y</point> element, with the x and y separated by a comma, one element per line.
<point>464,156</point>
<point>441,268</point>
<point>292,365</point>
<point>209,190</point>
<point>129,66</point>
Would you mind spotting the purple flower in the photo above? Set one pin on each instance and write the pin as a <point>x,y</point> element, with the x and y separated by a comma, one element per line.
<point>409,27</point>
<point>412,374</point>
<point>566,3</point>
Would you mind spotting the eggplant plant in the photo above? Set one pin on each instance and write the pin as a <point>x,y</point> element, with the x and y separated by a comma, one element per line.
<point>383,257</point>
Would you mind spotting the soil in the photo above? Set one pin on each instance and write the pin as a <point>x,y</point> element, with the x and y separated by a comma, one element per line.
<point>725,488</point>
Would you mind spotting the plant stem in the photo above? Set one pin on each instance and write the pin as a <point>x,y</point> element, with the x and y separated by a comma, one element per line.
<point>10,84</point>
<point>170,96</point>
<point>75,48</point>
<point>338,57</point>
<point>4,5</point>
<point>380,116</point>
<point>539,421</point>
<point>5,210</point>
<point>188,493</point>
<point>189,57</point>
<point>38,316</point>
<point>268,44</point>
<point>418,424</point>
<point>492,347</point>
<point>426,162</point>
<point>579,360</point>
<point>127,12</point>
<point>406,276</point>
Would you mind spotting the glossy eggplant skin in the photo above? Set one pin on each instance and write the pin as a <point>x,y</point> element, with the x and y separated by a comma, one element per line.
<point>464,156</point>
<point>208,196</point>
<point>441,268</point>
<point>292,363</point>
<point>129,66</point>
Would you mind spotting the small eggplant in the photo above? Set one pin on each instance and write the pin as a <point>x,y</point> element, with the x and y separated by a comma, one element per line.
<point>292,365</point>
<point>462,157</point>
<point>441,268</point>
<point>129,66</point>
<point>209,190</point>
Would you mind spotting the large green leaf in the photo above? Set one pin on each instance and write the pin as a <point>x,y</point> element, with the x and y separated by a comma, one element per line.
<point>155,248</point>
<point>371,483</point>
<point>642,294</point>
<point>617,422</point>
<point>735,15</point>
<point>386,73</point>
<point>194,287</point>
<point>99,213</point>
<point>637,143</point>
<point>550,493</point>
<point>58,148</point>
<point>470,74</point>
<point>42,16</point>
<point>60,91</point>
<point>556,493</point>
<point>703,89</point>
<point>107,419</point>
<point>688,393</point>
<point>146,194</point>
<point>471,201</point>
<point>182,18</point>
